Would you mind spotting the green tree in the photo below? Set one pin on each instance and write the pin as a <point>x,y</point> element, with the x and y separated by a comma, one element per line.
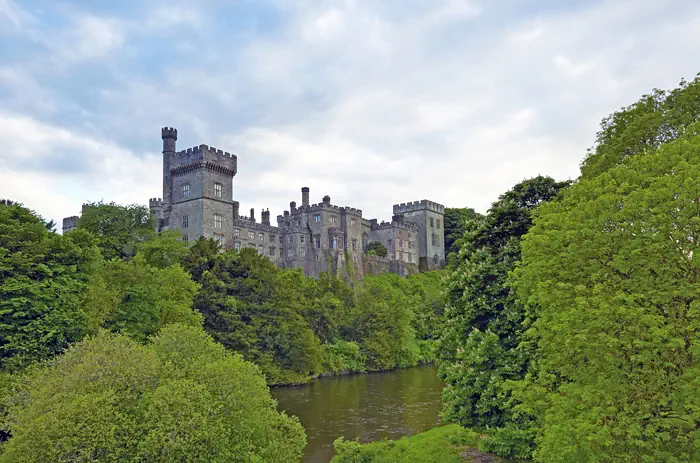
<point>253,307</point>
<point>42,277</point>
<point>139,299</point>
<point>455,221</point>
<point>612,282</point>
<point>478,349</point>
<point>643,126</point>
<point>118,228</point>
<point>180,398</point>
<point>377,248</point>
<point>163,250</point>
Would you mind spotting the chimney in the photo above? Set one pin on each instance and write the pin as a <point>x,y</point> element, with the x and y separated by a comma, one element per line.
<point>327,200</point>
<point>266,217</point>
<point>305,196</point>
<point>252,214</point>
<point>286,214</point>
<point>236,212</point>
<point>293,207</point>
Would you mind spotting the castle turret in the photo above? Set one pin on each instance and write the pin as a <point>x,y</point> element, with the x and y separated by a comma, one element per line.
<point>305,196</point>
<point>327,200</point>
<point>169,136</point>
<point>293,207</point>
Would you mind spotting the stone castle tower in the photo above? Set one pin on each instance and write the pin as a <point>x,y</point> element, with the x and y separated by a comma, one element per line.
<point>198,201</point>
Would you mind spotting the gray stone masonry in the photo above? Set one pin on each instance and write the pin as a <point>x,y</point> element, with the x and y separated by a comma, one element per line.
<point>198,201</point>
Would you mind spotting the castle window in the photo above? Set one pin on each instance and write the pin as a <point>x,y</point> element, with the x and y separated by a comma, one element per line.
<point>261,250</point>
<point>261,236</point>
<point>354,245</point>
<point>218,188</point>
<point>409,257</point>
<point>281,239</point>
<point>317,218</point>
<point>302,252</point>
<point>237,246</point>
<point>335,243</point>
<point>218,221</point>
<point>353,223</point>
<point>317,238</point>
<point>291,239</point>
<point>333,219</point>
<point>431,222</point>
<point>400,255</point>
<point>272,250</point>
<point>185,238</point>
<point>251,235</point>
<point>435,239</point>
<point>301,238</point>
<point>409,237</point>
<point>290,253</point>
<point>237,232</point>
<point>219,239</point>
<point>400,243</point>
<point>186,190</point>
<point>273,238</point>
<point>185,221</point>
<point>437,223</point>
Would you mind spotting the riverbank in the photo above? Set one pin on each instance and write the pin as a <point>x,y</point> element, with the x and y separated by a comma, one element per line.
<point>444,444</point>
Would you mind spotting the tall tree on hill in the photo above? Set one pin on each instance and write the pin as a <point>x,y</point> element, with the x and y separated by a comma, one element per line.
<point>612,281</point>
<point>657,118</point>
<point>483,320</point>
<point>118,228</point>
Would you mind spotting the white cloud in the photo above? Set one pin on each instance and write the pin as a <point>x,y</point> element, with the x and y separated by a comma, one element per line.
<point>89,38</point>
<point>53,170</point>
<point>450,101</point>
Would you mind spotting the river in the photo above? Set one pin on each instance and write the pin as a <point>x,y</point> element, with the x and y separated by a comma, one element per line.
<point>369,406</point>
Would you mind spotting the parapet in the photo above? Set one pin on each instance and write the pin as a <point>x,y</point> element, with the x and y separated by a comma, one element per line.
<point>351,211</point>
<point>422,205</point>
<point>212,157</point>
<point>155,203</point>
<point>168,132</point>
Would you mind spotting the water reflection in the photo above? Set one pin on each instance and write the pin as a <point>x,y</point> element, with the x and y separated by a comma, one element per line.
<point>373,406</point>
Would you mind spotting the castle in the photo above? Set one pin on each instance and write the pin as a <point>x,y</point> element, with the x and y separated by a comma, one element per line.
<point>198,201</point>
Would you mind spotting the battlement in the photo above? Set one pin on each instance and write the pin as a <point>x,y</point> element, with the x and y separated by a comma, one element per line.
<point>246,222</point>
<point>204,156</point>
<point>324,206</point>
<point>351,211</point>
<point>168,132</point>
<point>70,223</point>
<point>422,205</point>
<point>394,224</point>
<point>155,203</point>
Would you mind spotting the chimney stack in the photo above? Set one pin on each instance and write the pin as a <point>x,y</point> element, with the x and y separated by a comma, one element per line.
<point>252,214</point>
<point>327,200</point>
<point>293,207</point>
<point>266,217</point>
<point>305,196</point>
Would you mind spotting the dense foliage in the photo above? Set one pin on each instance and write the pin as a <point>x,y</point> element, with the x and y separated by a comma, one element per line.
<point>118,229</point>
<point>456,221</point>
<point>612,280</point>
<point>657,118</point>
<point>296,328</point>
<point>377,248</point>
<point>479,345</point>
<point>182,397</point>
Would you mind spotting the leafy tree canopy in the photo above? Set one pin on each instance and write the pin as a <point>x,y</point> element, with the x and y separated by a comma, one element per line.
<point>182,398</point>
<point>42,278</point>
<point>642,127</point>
<point>611,277</point>
<point>456,221</point>
<point>478,348</point>
<point>118,228</point>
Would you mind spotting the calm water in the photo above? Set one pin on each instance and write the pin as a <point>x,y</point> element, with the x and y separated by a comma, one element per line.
<point>372,406</point>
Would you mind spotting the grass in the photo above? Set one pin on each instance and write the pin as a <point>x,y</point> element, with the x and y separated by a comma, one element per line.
<point>445,444</point>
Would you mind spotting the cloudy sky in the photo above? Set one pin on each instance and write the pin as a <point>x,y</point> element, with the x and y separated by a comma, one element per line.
<point>372,102</point>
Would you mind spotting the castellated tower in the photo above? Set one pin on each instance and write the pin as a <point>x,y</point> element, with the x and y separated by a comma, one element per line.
<point>429,217</point>
<point>197,190</point>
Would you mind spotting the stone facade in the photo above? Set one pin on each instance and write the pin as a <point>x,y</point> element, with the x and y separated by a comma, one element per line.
<point>198,201</point>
